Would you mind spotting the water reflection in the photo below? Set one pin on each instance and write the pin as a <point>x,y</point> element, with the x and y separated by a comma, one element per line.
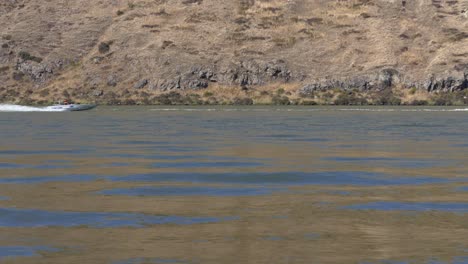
<point>9,252</point>
<point>189,191</point>
<point>411,206</point>
<point>236,185</point>
<point>289,178</point>
<point>11,217</point>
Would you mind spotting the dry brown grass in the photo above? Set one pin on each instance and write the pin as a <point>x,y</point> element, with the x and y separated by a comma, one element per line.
<point>158,40</point>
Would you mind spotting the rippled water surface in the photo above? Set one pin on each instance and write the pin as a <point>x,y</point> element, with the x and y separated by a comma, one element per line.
<point>234,185</point>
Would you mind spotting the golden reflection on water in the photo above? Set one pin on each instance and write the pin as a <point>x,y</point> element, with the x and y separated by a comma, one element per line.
<point>299,222</point>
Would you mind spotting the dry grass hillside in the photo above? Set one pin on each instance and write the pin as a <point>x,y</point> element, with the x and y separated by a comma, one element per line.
<point>238,51</point>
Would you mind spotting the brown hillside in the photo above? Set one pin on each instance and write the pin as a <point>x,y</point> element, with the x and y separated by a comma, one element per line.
<point>113,50</point>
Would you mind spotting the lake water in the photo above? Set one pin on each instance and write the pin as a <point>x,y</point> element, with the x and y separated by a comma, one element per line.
<point>234,185</point>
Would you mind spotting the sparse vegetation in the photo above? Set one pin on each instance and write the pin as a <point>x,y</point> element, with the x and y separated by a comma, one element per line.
<point>28,57</point>
<point>208,94</point>
<point>280,100</point>
<point>104,47</point>
<point>243,101</point>
<point>264,54</point>
<point>280,91</point>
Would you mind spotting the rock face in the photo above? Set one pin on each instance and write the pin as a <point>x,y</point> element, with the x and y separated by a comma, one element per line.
<point>141,84</point>
<point>39,72</point>
<point>375,81</point>
<point>242,73</point>
<point>447,83</point>
<point>387,78</point>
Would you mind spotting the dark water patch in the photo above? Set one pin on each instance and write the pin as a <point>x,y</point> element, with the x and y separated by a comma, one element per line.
<point>29,166</point>
<point>150,261</point>
<point>360,159</point>
<point>292,137</point>
<point>218,164</point>
<point>411,206</point>
<point>394,162</point>
<point>7,252</point>
<point>462,189</point>
<point>312,236</point>
<point>115,164</point>
<point>338,192</point>
<point>150,156</point>
<point>416,125</point>
<point>43,179</point>
<point>460,260</point>
<point>289,178</point>
<point>175,149</point>
<point>310,140</point>
<point>142,142</point>
<point>273,238</point>
<point>4,165</point>
<point>45,152</point>
<point>188,191</point>
<point>12,217</point>
<point>280,217</point>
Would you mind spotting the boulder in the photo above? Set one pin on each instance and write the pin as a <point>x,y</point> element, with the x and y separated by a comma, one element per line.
<point>141,84</point>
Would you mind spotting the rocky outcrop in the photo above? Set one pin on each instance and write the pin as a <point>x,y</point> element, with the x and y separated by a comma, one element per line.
<point>387,78</point>
<point>37,71</point>
<point>243,73</point>
<point>446,83</point>
<point>380,80</point>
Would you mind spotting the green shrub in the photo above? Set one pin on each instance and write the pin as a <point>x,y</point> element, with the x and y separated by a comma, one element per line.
<point>280,100</point>
<point>170,98</point>
<point>308,102</point>
<point>412,90</point>
<point>350,99</point>
<point>243,101</point>
<point>419,102</point>
<point>120,12</point>
<point>104,47</point>
<point>44,93</point>
<point>280,91</point>
<point>208,94</point>
<point>17,76</point>
<point>443,100</point>
<point>28,57</point>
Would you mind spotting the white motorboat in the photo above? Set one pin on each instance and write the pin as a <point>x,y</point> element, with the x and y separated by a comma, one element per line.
<point>71,107</point>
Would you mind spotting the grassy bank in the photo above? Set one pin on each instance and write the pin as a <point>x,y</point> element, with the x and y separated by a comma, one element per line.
<point>284,94</point>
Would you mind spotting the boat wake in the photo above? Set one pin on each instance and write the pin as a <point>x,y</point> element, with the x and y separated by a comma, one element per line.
<point>23,108</point>
<point>312,109</point>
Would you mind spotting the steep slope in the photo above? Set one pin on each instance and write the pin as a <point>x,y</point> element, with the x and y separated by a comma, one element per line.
<point>120,51</point>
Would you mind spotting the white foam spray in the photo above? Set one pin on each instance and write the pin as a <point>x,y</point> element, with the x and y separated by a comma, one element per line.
<point>23,108</point>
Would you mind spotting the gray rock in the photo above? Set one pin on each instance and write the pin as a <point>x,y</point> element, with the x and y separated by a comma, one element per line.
<point>448,82</point>
<point>38,72</point>
<point>373,81</point>
<point>97,93</point>
<point>141,84</point>
<point>112,80</point>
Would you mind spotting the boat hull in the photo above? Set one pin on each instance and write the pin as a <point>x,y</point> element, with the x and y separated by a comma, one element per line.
<point>72,107</point>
